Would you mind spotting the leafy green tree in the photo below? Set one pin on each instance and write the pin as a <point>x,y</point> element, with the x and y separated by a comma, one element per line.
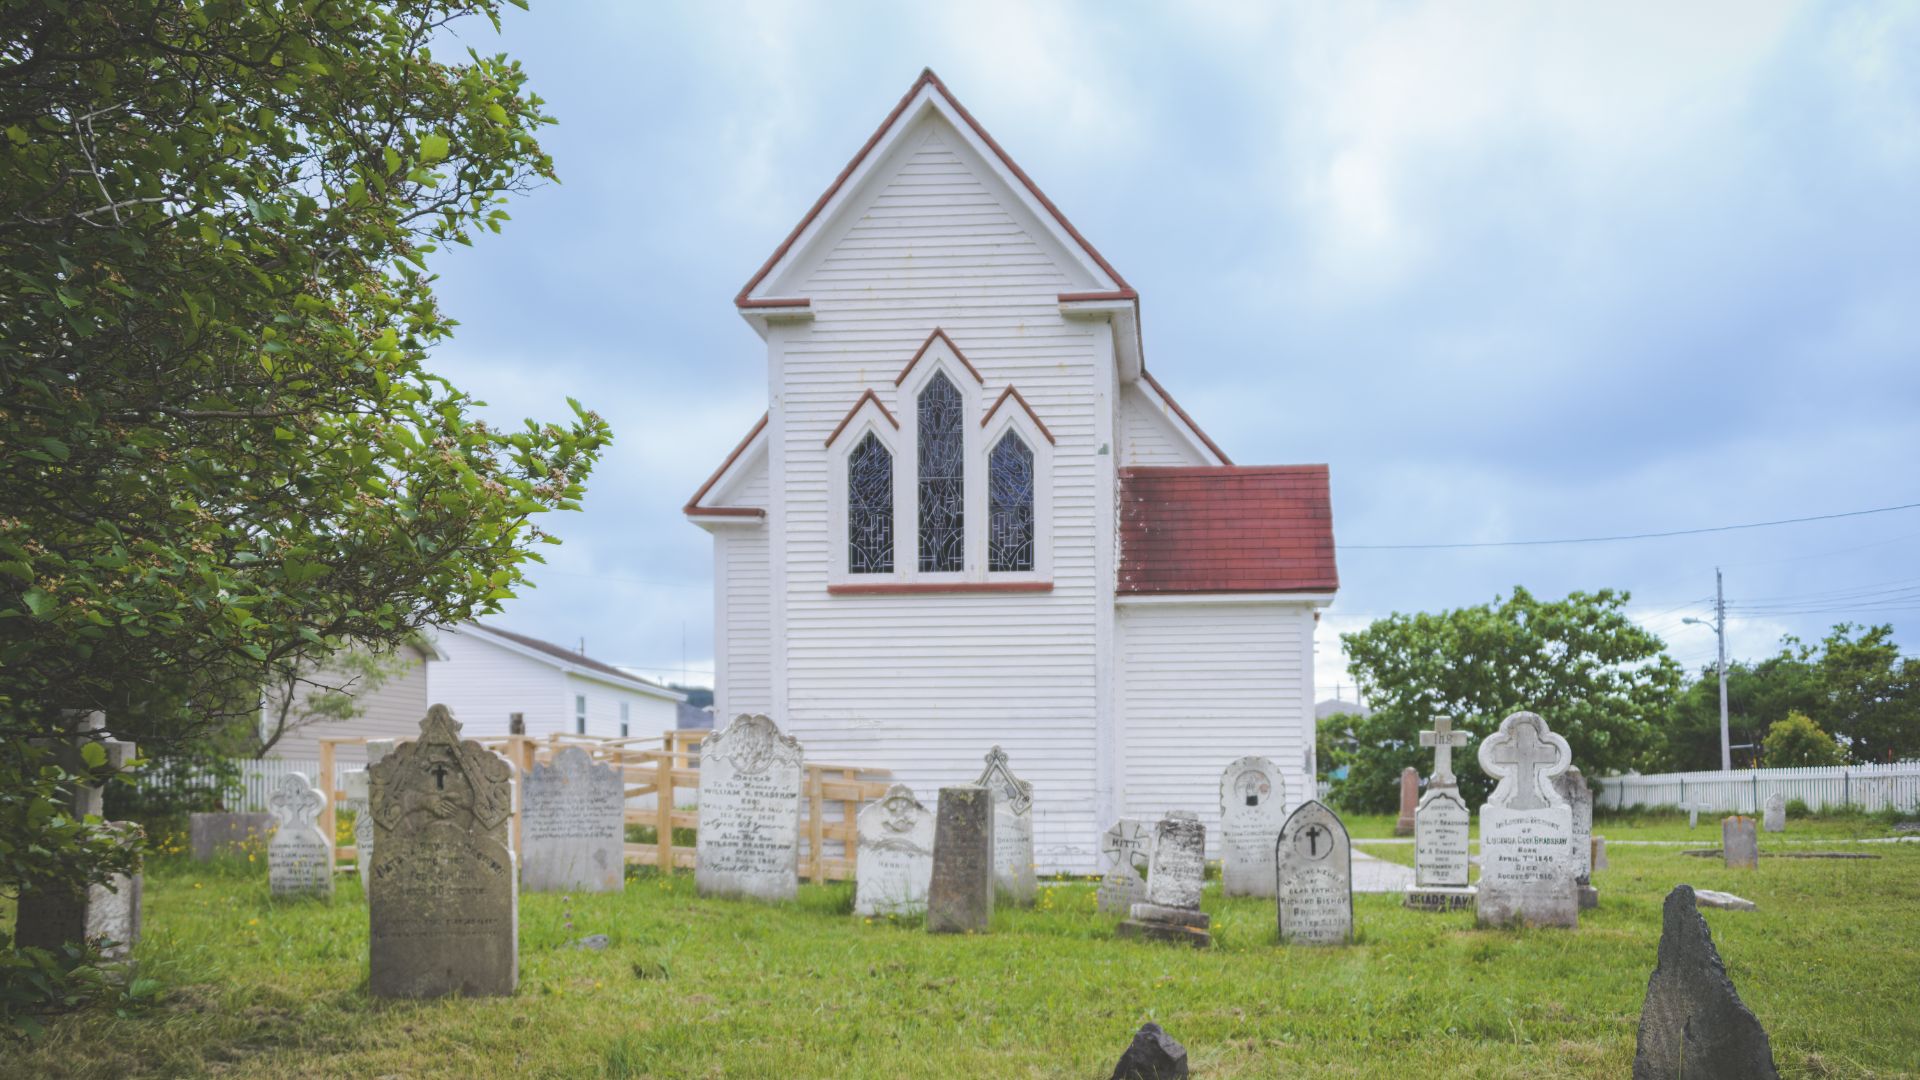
<point>224,448</point>
<point>1333,741</point>
<point>1872,694</point>
<point>1758,694</point>
<point>1600,680</point>
<point>1797,741</point>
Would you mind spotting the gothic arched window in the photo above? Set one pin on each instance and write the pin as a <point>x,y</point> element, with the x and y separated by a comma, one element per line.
<point>1010,505</point>
<point>870,508</point>
<point>943,483</point>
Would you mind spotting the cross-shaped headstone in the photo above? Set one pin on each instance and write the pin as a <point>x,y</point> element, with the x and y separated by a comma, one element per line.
<point>1522,754</point>
<point>1693,812</point>
<point>1443,739</point>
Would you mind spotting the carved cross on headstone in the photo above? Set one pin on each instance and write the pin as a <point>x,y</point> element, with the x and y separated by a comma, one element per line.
<point>1525,756</point>
<point>1443,739</point>
<point>1313,835</point>
<point>439,771</point>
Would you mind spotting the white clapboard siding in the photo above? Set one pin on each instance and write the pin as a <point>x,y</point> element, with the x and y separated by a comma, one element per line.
<point>1205,684</point>
<point>925,685</point>
<point>1148,435</point>
<point>745,631</point>
<point>748,488</point>
<point>484,684</point>
<point>393,710</point>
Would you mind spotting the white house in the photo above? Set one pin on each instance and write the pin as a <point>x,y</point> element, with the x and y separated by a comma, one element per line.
<point>971,517</point>
<point>486,675</point>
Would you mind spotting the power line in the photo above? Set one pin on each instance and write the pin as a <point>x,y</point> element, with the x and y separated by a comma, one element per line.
<point>1624,536</point>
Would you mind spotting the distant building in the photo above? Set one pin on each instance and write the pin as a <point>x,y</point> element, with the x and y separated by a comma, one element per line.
<point>486,675</point>
<point>1335,706</point>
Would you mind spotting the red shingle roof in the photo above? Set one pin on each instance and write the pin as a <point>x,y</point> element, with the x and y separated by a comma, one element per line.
<point>1226,529</point>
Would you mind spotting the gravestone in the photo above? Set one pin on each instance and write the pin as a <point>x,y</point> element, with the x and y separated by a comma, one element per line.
<point>113,907</point>
<point>1176,872</point>
<point>1127,847</point>
<point>220,833</point>
<point>51,915</point>
<point>1693,1023</point>
<point>300,855</point>
<point>1599,853</point>
<point>960,894</point>
<point>1739,843</point>
<point>1012,828</point>
<point>1152,1055</point>
<point>1713,899</point>
<point>1409,801</point>
<point>1440,853</point>
<point>363,820</point>
<point>443,912</point>
<point>1253,806</point>
<point>749,839</point>
<point>894,861</point>
<point>1526,829</point>
<point>573,825</point>
<point>1315,888</point>
<point>1573,788</point>
<point>1776,812</point>
<point>1440,828</point>
<point>1693,812</point>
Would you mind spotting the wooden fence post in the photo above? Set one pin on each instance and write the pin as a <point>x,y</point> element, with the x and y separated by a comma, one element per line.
<point>663,811</point>
<point>816,826</point>
<point>325,784</point>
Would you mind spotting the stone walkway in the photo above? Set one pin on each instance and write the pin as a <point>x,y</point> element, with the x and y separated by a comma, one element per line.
<point>1373,875</point>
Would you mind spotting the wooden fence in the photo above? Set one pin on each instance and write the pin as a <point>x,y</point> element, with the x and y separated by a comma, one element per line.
<point>663,770</point>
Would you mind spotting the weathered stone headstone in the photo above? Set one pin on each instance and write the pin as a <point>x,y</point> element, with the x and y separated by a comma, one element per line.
<point>960,895</point>
<point>300,856</point>
<point>1713,899</point>
<point>1315,861</point>
<point>1740,843</point>
<point>1776,812</point>
<point>749,838</point>
<point>1579,797</point>
<point>1440,852</point>
<point>360,780</point>
<point>1176,873</point>
<point>218,833</point>
<point>1012,829</point>
<point>1409,801</point>
<point>1526,829</point>
<point>894,863</point>
<point>1253,806</point>
<point>444,908</point>
<point>1126,848</point>
<point>1693,1024</point>
<point>1693,812</point>
<point>51,915</point>
<point>113,908</point>
<point>1153,1055</point>
<point>573,825</point>
<point>1599,856</point>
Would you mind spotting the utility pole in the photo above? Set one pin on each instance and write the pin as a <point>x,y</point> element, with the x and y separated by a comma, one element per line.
<point>1719,625</point>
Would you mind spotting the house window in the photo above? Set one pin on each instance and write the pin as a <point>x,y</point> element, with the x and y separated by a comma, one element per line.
<point>1010,505</point>
<point>870,508</point>
<point>942,477</point>
<point>625,715</point>
<point>579,714</point>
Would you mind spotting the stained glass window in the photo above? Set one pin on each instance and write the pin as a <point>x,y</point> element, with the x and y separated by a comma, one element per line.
<point>1010,505</point>
<point>870,508</point>
<point>943,483</point>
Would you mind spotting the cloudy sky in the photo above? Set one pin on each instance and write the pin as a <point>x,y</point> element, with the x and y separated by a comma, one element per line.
<point>1513,271</point>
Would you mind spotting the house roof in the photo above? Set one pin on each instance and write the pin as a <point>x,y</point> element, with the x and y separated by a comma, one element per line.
<point>573,661</point>
<point>1226,529</point>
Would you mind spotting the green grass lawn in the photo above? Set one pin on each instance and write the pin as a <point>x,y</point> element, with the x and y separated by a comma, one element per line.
<point>695,988</point>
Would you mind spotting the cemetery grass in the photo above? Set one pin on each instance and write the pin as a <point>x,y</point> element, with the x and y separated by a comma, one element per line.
<point>710,988</point>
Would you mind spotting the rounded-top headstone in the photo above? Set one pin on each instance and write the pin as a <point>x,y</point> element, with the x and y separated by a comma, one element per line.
<point>1253,806</point>
<point>749,838</point>
<point>1314,861</point>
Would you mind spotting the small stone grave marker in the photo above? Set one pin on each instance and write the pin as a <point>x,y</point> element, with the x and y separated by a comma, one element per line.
<point>1176,874</point>
<point>1776,813</point>
<point>1315,861</point>
<point>1526,828</point>
<point>1012,828</point>
<point>1693,812</point>
<point>218,833</point>
<point>1573,788</point>
<point>960,894</point>
<point>1153,1055</point>
<point>1253,806</point>
<point>1599,853</point>
<point>443,912</point>
<point>1693,1023</point>
<point>1740,843</point>
<point>1409,801</point>
<point>893,864</point>
<point>300,856</point>
<point>363,818</point>
<point>749,839</point>
<point>1440,852</point>
<point>1126,847</point>
<point>573,825</point>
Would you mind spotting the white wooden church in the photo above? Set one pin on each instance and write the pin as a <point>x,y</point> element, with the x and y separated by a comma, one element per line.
<point>971,517</point>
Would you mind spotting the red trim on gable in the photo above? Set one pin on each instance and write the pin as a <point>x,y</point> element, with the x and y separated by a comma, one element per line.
<point>1182,414</point>
<point>1218,529</point>
<point>927,78</point>
<point>925,345</point>
<point>726,511</point>
<point>1117,294</point>
<point>1010,392</point>
<point>927,588</point>
<point>862,400</point>
<point>789,302</point>
<point>693,505</point>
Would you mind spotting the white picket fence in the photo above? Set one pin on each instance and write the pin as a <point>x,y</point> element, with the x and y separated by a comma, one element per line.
<point>1863,787</point>
<point>256,780</point>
